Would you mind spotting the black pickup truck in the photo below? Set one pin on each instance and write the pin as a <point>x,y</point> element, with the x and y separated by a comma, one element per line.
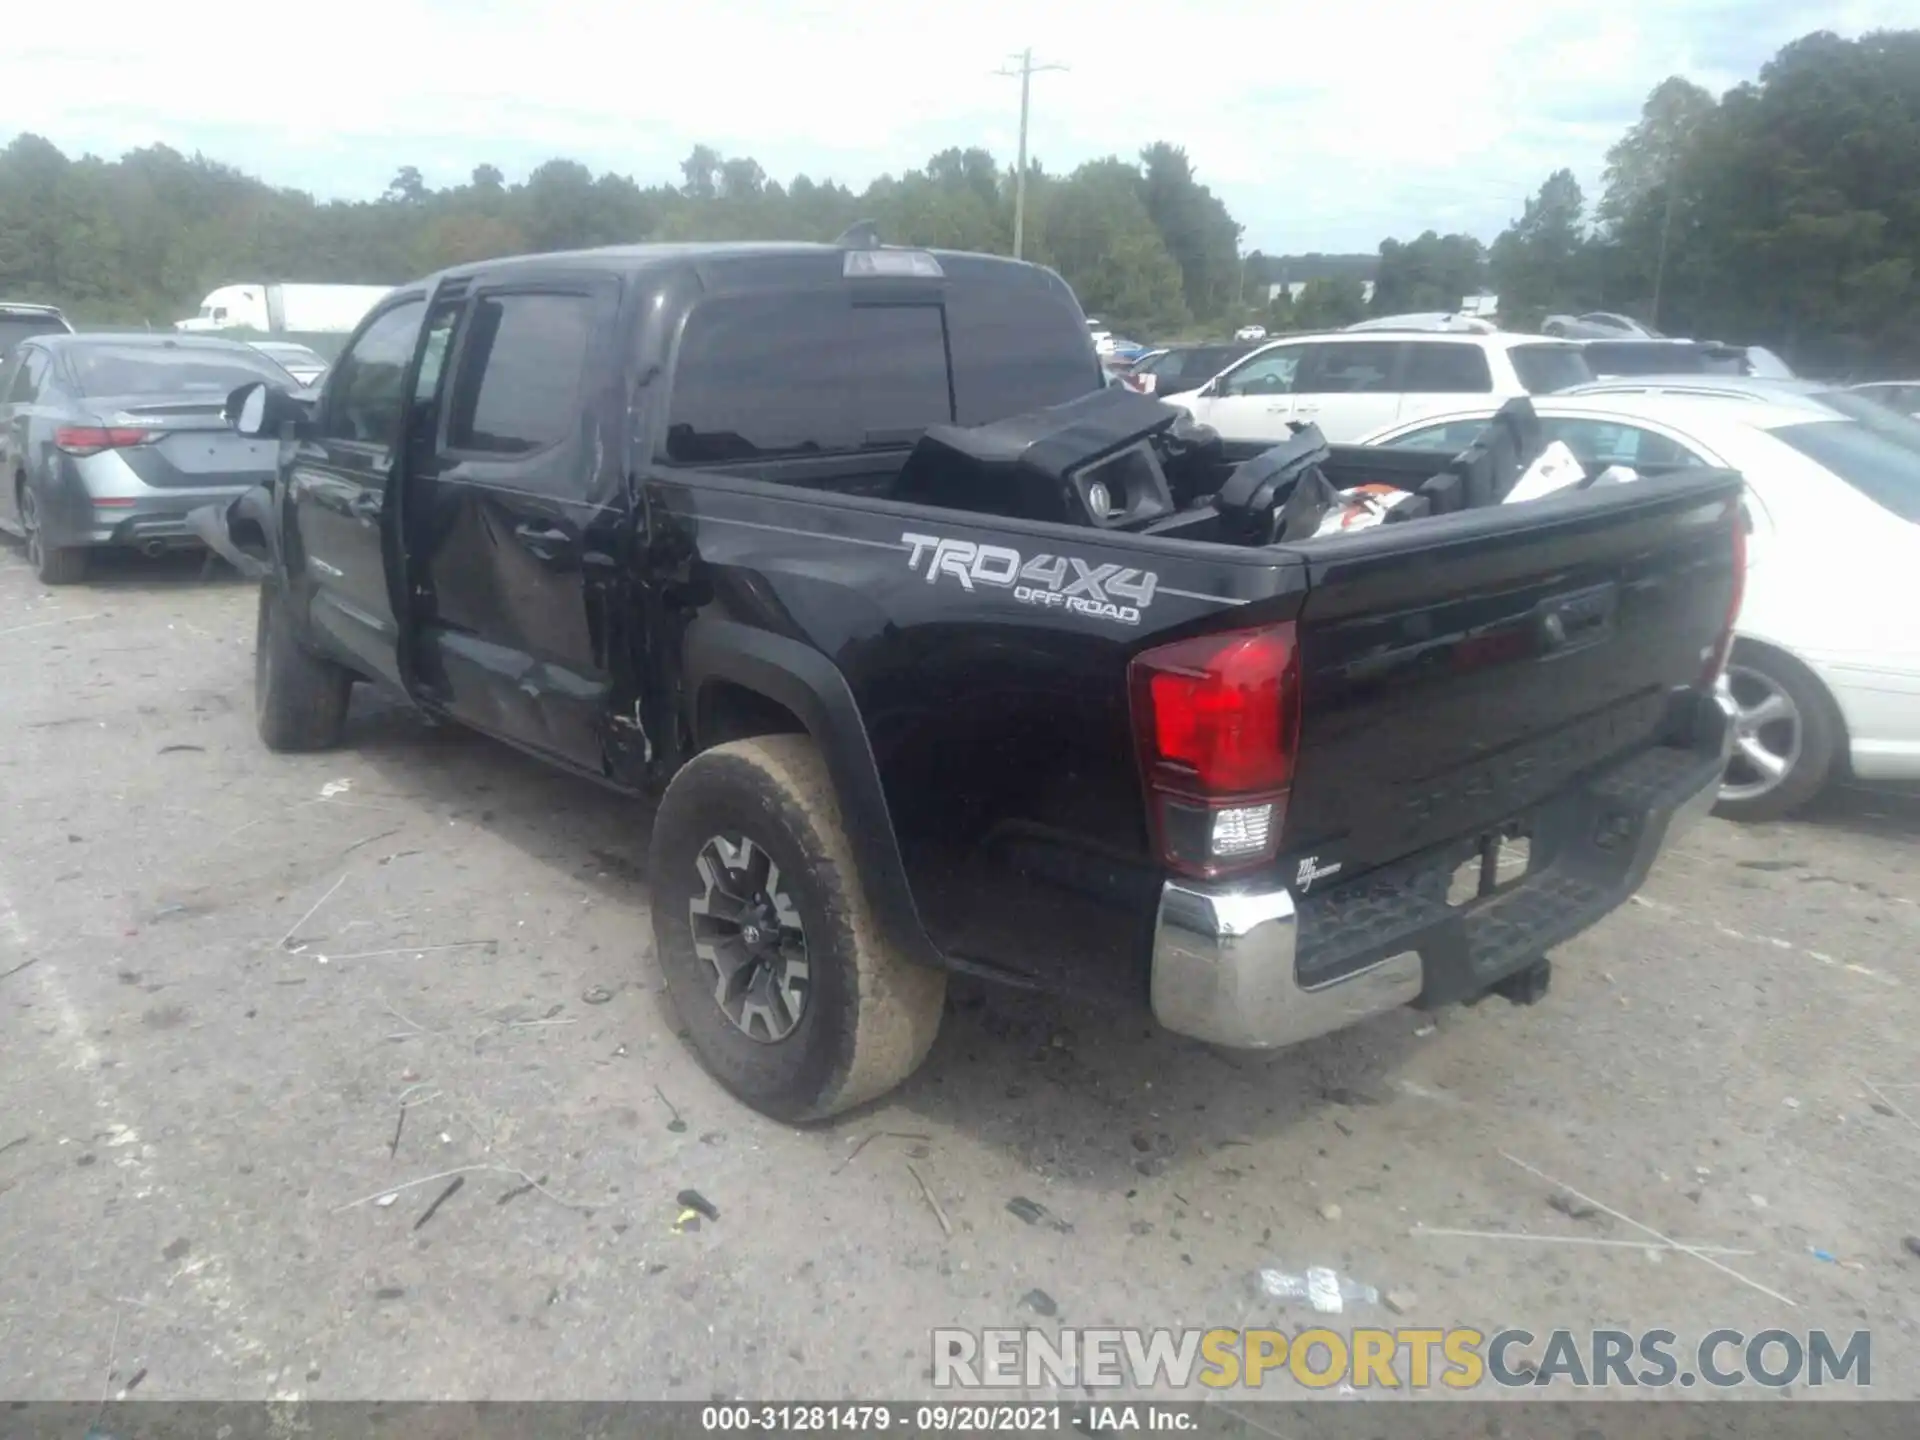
<point>791,536</point>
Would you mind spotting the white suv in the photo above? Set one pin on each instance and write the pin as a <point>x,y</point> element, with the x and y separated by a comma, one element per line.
<point>1353,384</point>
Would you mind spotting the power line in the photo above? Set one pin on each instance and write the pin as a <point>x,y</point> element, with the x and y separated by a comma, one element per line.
<point>1025,74</point>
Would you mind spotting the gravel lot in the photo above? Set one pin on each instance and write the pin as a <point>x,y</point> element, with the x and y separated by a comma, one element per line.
<point>194,1105</point>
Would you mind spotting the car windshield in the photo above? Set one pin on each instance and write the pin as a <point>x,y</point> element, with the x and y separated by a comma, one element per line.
<point>15,328</point>
<point>1546,368</point>
<point>1880,463</point>
<point>162,370</point>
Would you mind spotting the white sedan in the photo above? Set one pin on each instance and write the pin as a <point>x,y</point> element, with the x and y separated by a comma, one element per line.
<point>1825,671</point>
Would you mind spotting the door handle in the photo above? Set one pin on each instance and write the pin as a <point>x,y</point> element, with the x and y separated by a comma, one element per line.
<point>543,542</point>
<point>1278,409</point>
<point>1306,409</point>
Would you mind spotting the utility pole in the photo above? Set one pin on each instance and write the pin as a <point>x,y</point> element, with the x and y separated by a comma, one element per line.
<point>1666,229</point>
<point>1025,74</point>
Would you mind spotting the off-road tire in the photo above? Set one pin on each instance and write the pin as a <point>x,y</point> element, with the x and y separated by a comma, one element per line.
<point>1821,737</point>
<point>870,1014</point>
<point>299,699</point>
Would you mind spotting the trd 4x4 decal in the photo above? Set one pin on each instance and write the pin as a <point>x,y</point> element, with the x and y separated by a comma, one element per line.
<point>1063,582</point>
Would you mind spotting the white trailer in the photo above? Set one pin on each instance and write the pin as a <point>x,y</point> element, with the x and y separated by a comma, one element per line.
<point>278,308</point>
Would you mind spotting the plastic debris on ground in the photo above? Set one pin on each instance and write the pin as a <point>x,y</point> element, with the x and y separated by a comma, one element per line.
<point>1325,1290</point>
<point>1034,1213</point>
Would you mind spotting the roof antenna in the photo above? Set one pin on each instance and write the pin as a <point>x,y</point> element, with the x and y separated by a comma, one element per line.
<point>861,235</point>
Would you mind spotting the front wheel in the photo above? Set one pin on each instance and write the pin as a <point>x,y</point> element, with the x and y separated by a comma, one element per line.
<point>52,564</point>
<point>790,996</point>
<point>1786,736</point>
<point>299,699</point>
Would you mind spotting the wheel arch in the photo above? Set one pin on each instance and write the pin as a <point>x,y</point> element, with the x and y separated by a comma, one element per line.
<point>1781,655</point>
<point>734,674</point>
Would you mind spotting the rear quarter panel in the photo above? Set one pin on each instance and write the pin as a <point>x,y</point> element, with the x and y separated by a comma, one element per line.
<point>996,712</point>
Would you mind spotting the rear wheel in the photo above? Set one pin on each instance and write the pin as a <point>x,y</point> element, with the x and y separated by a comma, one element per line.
<point>52,564</point>
<point>299,699</point>
<point>1786,736</point>
<point>789,995</point>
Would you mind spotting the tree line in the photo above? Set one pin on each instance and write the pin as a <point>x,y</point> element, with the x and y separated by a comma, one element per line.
<point>1785,212</point>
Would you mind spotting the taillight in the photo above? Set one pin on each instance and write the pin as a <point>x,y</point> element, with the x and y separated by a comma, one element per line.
<point>1723,647</point>
<point>1217,720</point>
<point>92,439</point>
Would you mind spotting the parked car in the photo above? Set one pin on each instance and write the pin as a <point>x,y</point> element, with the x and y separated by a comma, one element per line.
<point>305,365</point>
<point>1250,332</point>
<point>1624,358</point>
<point>1901,395</point>
<point>1352,383</point>
<point>112,439</point>
<point>1449,320</point>
<point>901,608</point>
<point>1598,325</point>
<point>21,320</point>
<point>1825,671</point>
<point>1179,368</point>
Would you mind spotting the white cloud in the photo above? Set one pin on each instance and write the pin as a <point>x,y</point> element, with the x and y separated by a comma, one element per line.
<point>1322,126</point>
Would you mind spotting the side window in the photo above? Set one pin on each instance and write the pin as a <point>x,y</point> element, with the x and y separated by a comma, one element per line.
<point>806,374</point>
<point>1446,369</point>
<point>1453,436</point>
<point>1270,373</point>
<point>364,392</point>
<point>1602,443</point>
<point>517,389</point>
<point>29,368</point>
<point>1343,367</point>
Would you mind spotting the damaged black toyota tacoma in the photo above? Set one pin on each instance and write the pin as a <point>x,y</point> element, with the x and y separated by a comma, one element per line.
<point>941,655</point>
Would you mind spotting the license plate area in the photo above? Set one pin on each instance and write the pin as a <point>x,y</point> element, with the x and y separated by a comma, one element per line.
<point>1500,861</point>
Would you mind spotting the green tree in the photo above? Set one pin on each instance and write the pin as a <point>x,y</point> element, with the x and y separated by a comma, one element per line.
<point>1543,259</point>
<point>1195,228</point>
<point>1432,272</point>
<point>1329,304</point>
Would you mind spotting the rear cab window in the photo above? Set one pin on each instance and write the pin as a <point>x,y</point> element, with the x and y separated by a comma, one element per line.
<point>839,369</point>
<point>1543,369</point>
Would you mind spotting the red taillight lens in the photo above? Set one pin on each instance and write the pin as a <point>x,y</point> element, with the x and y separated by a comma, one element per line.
<point>1217,722</point>
<point>1723,647</point>
<point>92,439</point>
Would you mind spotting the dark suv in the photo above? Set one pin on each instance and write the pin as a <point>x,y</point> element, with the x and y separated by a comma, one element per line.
<point>22,320</point>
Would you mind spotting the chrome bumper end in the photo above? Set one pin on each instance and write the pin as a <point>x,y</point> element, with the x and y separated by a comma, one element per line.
<point>1223,972</point>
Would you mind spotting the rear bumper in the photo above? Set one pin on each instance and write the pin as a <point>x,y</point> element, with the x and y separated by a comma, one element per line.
<point>1262,969</point>
<point>158,517</point>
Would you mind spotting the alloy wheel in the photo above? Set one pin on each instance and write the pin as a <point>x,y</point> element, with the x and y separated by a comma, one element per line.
<point>747,927</point>
<point>1768,734</point>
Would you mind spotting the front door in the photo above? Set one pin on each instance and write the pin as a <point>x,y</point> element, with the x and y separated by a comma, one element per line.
<point>1254,400</point>
<point>522,506</point>
<point>337,488</point>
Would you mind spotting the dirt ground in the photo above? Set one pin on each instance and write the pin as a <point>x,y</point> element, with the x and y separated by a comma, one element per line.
<point>226,976</point>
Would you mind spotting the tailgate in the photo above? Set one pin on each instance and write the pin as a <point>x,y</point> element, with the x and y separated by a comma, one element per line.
<point>1458,670</point>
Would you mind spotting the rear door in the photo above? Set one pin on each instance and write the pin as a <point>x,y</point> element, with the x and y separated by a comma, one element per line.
<point>19,387</point>
<point>337,485</point>
<point>524,511</point>
<point>1349,388</point>
<point>1254,400</point>
<point>1441,376</point>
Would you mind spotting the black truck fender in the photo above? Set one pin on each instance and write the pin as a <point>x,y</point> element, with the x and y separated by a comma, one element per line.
<point>808,684</point>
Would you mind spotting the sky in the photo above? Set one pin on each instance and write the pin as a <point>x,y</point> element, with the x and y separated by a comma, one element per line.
<point>1323,126</point>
